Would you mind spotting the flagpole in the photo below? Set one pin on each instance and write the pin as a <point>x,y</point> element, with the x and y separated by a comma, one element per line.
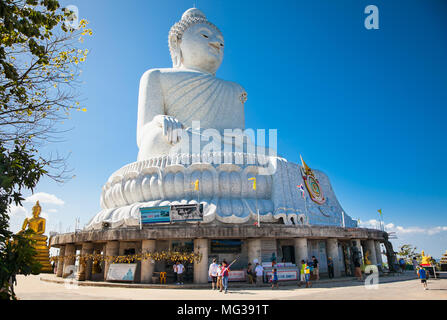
<point>256,199</point>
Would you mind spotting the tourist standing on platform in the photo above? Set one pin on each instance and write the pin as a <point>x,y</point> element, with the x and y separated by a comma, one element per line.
<point>174,267</point>
<point>330,267</point>
<point>302,273</point>
<point>225,275</point>
<point>402,265</point>
<point>316,268</point>
<point>307,276</point>
<point>219,277</point>
<point>415,265</point>
<point>250,274</point>
<point>259,270</point>
<point>358,271</point>
<point>422,274</point>
<point>274,278</point>
<point>212,272</point>
<point>179,268</point>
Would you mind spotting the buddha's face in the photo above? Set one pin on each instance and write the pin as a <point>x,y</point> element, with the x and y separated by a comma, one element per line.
<point>36,212</point>
<point>202,47</point>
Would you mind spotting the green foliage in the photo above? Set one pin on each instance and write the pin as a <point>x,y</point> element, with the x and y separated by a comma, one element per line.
<point>17,256</point>
<point>407,251</point>
<point>19,169</point>
<point>39,66</point>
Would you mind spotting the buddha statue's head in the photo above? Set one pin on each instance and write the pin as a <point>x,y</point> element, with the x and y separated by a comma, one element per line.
<point>36,210</point>
<point>195,43</point>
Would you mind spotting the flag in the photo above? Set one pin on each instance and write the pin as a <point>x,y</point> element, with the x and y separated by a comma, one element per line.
<point>380,212</point>
<point>302,190</point>
<point>256,223</point>
<point>254,183</point>
<point>196,185</point>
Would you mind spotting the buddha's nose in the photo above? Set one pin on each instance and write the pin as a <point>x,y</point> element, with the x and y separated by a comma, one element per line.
<point>215,45</point>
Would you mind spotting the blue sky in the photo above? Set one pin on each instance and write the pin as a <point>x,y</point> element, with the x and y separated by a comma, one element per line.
<point>367,107</point>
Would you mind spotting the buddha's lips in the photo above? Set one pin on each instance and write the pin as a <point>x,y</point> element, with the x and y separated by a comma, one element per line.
<point>214,48</point>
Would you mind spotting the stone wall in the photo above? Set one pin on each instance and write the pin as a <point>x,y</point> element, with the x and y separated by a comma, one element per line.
<point>211,232</point>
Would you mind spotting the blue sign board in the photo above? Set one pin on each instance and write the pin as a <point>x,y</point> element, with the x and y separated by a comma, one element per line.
<point>155,215</point>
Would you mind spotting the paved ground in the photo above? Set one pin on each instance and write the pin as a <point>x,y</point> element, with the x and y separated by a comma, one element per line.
<point>402,287</point>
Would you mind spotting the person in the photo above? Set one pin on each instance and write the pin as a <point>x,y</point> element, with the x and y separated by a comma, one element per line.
<point>415,265</point>
<point>219,277</point>
<point>330,267</point>
<point>212,272</point>
<point>225,275</point>
<point>274,278</point>
<point>174,267</point>
<point>358,271</point>
<point>259,270</point>
<point>250,277</point>
<point>402,264</point>
<point>302,273</point>
<point>422,274</point>
<point>307,269</point>
<point>180,269</point>
<point>315,268</point>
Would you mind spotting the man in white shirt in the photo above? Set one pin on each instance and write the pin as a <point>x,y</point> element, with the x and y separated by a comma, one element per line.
<point>212,272</point>
<point>179,268</point>
<point>259,270</point>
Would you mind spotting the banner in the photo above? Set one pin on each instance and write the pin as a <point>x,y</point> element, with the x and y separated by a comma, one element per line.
<point>234,275</point>
<point>186,212</point>
<point>226,246</point>
<point>283,275</point>
<point>155,215</point>
<point>121,272</point>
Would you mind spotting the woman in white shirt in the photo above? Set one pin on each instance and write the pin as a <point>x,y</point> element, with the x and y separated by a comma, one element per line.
<point>212,272</point>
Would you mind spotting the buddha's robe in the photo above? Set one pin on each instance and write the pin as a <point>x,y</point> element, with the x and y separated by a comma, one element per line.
<point>187,96</point>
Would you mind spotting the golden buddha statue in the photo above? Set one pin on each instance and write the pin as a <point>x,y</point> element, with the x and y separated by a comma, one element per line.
<point>37,225</point>
<point>367,261</point>
<point>425,260</point>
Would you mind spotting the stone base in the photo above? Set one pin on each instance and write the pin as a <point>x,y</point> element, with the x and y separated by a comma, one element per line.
<point>43,256</point>
<point>225,191</point>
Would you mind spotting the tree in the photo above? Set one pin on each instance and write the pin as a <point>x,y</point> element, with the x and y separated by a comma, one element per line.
<point>407,251</point>
<point>18,170</point>
<point>39,72</point>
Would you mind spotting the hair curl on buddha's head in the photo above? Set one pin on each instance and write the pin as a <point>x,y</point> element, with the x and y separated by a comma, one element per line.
<point>190,17</point>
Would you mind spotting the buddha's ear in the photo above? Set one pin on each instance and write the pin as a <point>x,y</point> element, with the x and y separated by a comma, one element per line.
<point>176,52</point>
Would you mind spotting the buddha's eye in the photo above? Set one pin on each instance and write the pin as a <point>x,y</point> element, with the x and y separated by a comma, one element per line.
<point>221,45</point>
<point>205,36</point>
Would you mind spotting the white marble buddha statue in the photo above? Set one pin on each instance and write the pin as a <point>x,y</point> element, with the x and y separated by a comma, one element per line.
<point>172,98</point>
<point>171,102</point>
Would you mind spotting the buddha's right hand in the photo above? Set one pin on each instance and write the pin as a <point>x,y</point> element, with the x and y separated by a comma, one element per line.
<point>171,127</point>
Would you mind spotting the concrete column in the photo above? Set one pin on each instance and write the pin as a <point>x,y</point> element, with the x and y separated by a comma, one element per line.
<point>378,252</point>
<point>301,250</point>
<point>254,250</point>
<point>147,266</point>
<point>112,249</point>
<point>201,268</point>
<point>85,269</point>
<point>372,251</point>
<point>69,260</point>
<point>60,261</point>
<point>332,251</point>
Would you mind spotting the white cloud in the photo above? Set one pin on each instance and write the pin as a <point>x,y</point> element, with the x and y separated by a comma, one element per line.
<point>46,198</point>
<point>391,227</point>
<point>17,211</point>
